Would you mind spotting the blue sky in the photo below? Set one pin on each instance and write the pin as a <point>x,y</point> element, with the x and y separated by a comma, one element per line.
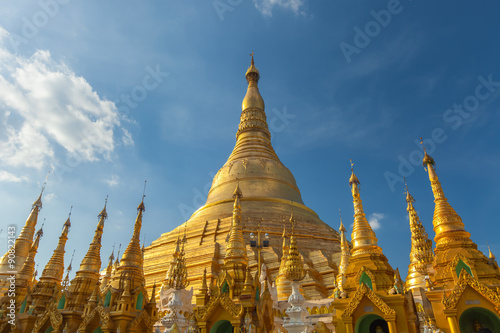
<point>110,94</point>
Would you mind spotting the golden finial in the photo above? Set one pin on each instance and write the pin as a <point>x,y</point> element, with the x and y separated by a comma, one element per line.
<point>490,254</point>
<point>118,255</point>
<point>141,205</point>
<point>252,72</point>
<point>40,231</point>
<point>237,191</point>
<point>342,228</point>
<point>427,159</point>
<point>71,262</point>
<point>112,255</point>
<point>353,178</point>
<point>38,202</point>
<point>67,224</point>
<point>103,212</point>
<point>409,198</point>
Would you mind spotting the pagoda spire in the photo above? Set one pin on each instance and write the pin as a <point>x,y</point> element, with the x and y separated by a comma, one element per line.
<point>131,263</point>
<point>447,223</point>
<point>345,254</point>
<point>24,241</point>
<point>65,283</point>
<point>236,260</point>
<point>24,279</point>
<point>282,283</point>
<point>254,104</point>
<point>363,237</point>
<point>109,270</point>
<point>421,254</point>
<point>253,138</point>
<point>88,275</point>
<point>490,254</point>
<point>177,273</point>
<point>452,240</point>
<point>91,263</point>
<point>294,267</point>
<point>54,270</point>
<point>366,255</point>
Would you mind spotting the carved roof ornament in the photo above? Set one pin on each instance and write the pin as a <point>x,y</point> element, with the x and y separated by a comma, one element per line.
<point>465,279</point>
<point>421,253</point>
<point>363,237</point>
<point>294,267</point>
<point>221,300</point>
<point>363,291</point>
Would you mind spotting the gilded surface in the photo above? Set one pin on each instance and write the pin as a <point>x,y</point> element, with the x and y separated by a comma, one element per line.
<point>451,301</point>
<point>223,300</point>
<point>363,291</point>
<point>269,190</point>
<point>421,254</point>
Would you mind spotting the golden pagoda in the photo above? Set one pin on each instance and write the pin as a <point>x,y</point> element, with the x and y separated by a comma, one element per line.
<point>465,286</point>
<point>348,287</point>
<point>269,190</point>
<point>13,260</point>
<point>372,296</point>
<point>47,290</point>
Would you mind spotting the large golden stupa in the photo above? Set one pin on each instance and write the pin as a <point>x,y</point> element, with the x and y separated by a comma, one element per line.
<point>269,196</point>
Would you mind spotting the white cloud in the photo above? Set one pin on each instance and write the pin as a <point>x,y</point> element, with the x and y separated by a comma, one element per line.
<point>115,180</point>
<point>127,138</point>
<point>6,176</point>
<point>374,220</point>
<point>47,106</point>
<point>266,6</point>
<point>49,197</point>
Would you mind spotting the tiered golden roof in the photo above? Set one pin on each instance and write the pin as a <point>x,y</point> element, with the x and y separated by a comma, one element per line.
<point>365,255</point>
<point>177,273</point>
<point>87,276</point>
<point>236,259</point>
<point>24,279</point>
<point>421,254</point>
<point>453,243</point>
<point>294,267</point>
<point>344,259</point>
<point>23,242</point>
<point>54,270</point>
<point>131,264</point>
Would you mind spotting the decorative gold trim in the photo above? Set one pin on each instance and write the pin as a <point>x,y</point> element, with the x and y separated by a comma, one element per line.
<point>453,264</point>
<point>362,291</point>
<point>223,300</point>
<point>451,301</point>
<point>367,271</point>
<point>103,317</point>
<point>51,314</point>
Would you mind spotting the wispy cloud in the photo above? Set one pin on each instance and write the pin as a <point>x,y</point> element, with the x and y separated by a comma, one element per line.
<point>374,220</point>
<point>113,181</point>
<point>266,6</point>
<point>6,176</point>
<point>47,106</point>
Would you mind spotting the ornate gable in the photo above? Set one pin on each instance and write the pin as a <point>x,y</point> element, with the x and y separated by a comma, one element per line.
<point>362,291</point>
<point>451,301</point>
<point>102,313</point>
<point>51,314</point>
<point>223,300</point>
